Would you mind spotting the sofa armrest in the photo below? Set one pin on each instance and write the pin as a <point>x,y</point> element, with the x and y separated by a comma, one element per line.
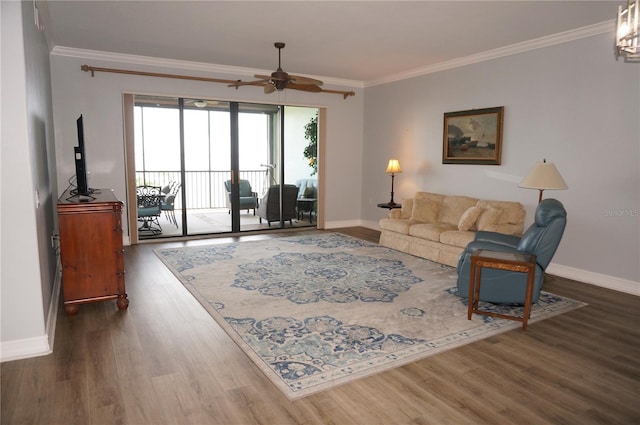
<point>395,213</point>
<point>495,238</point>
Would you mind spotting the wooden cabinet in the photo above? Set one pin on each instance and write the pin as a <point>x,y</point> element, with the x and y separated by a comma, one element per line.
<point>91,249</point>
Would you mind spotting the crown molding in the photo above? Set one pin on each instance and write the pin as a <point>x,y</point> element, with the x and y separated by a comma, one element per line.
<point>537,43</point>
<point>236,71</point>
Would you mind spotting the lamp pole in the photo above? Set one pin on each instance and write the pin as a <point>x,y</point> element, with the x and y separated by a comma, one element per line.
<point>392,177</point>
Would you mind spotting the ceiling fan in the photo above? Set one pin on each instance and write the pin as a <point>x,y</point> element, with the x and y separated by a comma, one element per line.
<point>280,80</point>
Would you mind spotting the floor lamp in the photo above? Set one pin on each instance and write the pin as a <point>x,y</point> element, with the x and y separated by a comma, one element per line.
<point>543,175</point>
<point>393,168</point>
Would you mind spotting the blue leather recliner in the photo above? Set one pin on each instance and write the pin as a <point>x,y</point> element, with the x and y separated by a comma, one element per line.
<point>541,239</point>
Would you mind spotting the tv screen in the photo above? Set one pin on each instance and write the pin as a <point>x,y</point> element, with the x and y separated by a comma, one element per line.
<point>82,187</point>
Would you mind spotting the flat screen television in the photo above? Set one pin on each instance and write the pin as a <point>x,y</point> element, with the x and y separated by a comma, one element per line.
<point>82,187</point>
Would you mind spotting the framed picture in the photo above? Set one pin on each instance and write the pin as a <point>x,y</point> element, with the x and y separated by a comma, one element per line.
<point>473,137</point>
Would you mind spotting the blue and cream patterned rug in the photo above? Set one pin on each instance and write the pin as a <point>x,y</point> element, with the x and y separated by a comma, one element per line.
<point>317,311</point>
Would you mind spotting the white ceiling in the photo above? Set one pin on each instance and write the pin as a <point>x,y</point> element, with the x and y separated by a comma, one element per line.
<point>363,41</point>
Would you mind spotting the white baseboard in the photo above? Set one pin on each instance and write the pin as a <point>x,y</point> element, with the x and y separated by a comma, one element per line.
<point>40,345</point>
<point>604,281</point>
<point>341,224</point>
<point>370,224</point>
<point>25,348</point>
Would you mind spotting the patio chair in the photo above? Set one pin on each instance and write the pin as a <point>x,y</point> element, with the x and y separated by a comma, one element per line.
<point>269,207</point>
<point>149,198</point>
<point>168,202</point>
<point>248,198</point>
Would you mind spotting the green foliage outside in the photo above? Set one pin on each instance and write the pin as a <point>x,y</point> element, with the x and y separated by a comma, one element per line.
<point>311,151</point>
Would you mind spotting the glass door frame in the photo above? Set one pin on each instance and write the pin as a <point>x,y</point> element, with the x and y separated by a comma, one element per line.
<point>234,109</point>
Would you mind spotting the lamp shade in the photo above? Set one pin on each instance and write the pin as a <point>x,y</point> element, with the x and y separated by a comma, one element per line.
<point>393,167</point>
<point>544,175</point>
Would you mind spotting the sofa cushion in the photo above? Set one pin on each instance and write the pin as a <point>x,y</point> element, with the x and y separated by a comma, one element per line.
<point>453,207</point>
<point>430,231</point>
<point>460,238</point>
<point>398,225</point>
<point>488,217</point>
<point>469,217</point>
<point>407,208</point>
<point>507,229</point>
<point>512,212</point>
<point>425,210</point>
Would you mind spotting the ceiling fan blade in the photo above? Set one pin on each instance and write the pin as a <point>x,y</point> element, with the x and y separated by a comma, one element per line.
<point>269,78</point>
<point>269,88</point>
<point>305,80</point>
<point>304,87</point>
<point>248,83</point>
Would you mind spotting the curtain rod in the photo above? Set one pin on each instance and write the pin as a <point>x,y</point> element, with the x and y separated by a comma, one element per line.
<point>93,70</point>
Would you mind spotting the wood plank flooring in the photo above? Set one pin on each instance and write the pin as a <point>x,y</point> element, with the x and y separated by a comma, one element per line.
<point>166,361</point>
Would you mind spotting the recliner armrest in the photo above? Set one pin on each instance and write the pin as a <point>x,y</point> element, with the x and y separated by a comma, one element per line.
<point>489,246</point>
<point>477,245</point>
<point>497,239</point>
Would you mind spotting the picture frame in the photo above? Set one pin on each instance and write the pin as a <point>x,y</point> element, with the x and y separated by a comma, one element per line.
<point>473,136</point>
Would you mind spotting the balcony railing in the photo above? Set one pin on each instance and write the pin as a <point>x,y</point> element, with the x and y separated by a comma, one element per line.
<point>204,189</point>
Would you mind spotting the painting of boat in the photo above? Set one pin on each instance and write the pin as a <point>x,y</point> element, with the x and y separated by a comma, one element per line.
<point>473,137</point>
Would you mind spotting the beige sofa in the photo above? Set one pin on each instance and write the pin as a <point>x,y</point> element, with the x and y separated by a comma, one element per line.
<point>439,227</point>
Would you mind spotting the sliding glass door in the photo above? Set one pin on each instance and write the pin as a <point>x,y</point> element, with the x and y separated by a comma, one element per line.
<point>207,166</point>
<point>224,166</point>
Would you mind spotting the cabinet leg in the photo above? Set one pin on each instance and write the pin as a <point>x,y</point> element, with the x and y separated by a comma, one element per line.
<point>123,302</point>
<point>71,309</point>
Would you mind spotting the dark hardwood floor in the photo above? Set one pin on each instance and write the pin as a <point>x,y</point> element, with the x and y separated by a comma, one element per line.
<point>166,361</point>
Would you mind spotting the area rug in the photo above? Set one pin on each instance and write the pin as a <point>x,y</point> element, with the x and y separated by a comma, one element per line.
<point>317,311</point>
